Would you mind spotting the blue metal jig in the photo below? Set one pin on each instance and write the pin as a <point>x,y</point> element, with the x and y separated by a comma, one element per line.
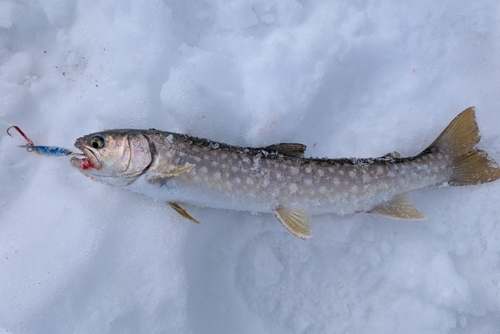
<point>47,150</point>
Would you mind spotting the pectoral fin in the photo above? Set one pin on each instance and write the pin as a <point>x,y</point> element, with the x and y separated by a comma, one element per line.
<point>182,212</point>
<point>160,175</point>
<point>296,221</point>
<point>293,149</point>
<point>400,207</point>
<point>178,170</point>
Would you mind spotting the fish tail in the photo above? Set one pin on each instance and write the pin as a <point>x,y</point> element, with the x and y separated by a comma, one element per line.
<point>469,165</point>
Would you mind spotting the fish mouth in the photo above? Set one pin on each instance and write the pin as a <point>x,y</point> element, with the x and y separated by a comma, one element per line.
<point>90,160</point>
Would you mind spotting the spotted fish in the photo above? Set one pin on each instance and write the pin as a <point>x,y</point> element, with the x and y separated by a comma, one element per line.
<point>185,170</point>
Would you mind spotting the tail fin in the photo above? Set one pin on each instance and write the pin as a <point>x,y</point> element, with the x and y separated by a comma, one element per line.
<point>458,140</point>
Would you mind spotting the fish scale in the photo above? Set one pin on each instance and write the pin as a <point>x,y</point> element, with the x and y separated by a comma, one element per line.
<point>185,170</point>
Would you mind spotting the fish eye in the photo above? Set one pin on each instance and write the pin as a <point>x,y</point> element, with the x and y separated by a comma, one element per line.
<point>97,142</point>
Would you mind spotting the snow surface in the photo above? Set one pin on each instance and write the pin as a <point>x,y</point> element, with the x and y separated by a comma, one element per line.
<point>346,78</point>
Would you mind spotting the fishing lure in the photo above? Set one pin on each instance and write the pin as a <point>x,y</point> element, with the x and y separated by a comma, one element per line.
<point>42,150</point>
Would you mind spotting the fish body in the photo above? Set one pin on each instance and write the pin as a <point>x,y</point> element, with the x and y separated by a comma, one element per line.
<point>181,169</point>
<point>261,180</point>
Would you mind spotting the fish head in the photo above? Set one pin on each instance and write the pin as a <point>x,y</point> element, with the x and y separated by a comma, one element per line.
<point>115,157</point>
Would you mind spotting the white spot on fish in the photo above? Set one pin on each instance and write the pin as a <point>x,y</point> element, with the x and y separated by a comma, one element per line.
<point>197,159</point>
<point>256,163</point>
<point>308,182</point>
<point>321,172</point>
<point>293,188</point>
<point>234,169</point>
<point>237,180</point>
<point>204,169</point>
<point>217,175</point>
<point>331,169</point>
<point>265,182</point>
<point>352,173</point>
<point>249,180</point>
<point>354,189</point>
<point>308,169</point>
<point>341,172</point>
<point>294,170</point>
<point>336,181</point>
<point>170,138</point>
<point>380,170</point>
<point>322,189</point>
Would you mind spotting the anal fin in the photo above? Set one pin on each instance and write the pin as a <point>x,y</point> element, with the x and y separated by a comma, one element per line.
<point>182,212</point>
<point>400,207</point>
<point>296,221</point>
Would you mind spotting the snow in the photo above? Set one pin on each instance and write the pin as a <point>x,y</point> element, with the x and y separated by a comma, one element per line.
<point>346,78</point>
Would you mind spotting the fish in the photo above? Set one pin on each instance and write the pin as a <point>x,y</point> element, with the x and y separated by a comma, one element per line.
<point>183,170</point>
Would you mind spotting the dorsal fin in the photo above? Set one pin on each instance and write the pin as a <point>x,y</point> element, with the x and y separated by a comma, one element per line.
<point>293,149</point>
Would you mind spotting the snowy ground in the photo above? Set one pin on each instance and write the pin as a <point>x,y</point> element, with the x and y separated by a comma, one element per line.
<point>346,78</point>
